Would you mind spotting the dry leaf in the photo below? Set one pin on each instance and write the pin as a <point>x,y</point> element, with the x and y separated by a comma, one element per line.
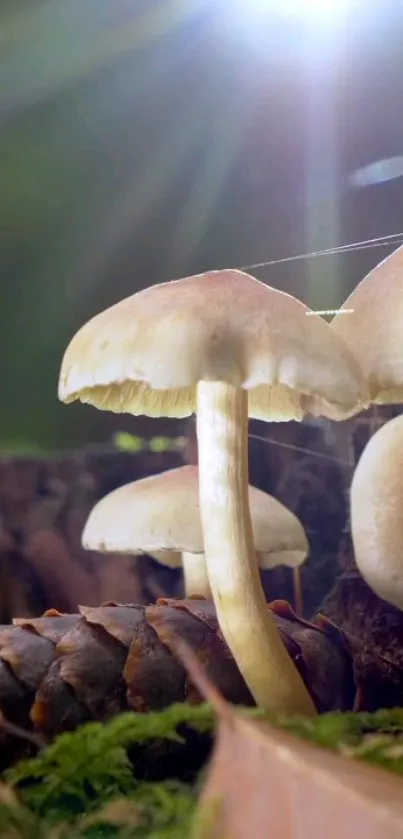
<point>264,783</point>
<point>271,784</point>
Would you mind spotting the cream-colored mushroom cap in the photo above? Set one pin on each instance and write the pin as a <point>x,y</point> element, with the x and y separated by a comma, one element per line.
<point>373,328</point>
<point>146,354</point>
<point>160,516</point>
<point>377,512</point>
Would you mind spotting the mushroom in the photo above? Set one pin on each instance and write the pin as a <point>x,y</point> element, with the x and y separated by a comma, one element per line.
<point>160,516</point>
<point>370,321</point>
<point>223,345</point>
<point>376,500</point>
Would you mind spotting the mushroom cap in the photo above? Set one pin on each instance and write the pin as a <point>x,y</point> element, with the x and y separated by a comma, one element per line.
<point>146,354</point>
<point>160,516</point>
<point>373,330</point>
<point>377,512</point>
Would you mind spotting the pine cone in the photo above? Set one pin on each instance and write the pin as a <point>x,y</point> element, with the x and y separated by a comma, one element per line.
<point>58,671</point>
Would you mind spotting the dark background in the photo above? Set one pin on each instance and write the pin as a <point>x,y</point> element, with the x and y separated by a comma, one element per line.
<point>142,141</point>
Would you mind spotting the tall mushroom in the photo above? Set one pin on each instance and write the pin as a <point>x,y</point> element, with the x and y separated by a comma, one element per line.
<point>160,516</point>
<point>223,345</point>
<point>377,512</point>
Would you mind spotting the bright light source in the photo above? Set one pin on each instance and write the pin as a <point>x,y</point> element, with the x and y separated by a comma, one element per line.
<point>314,10</point>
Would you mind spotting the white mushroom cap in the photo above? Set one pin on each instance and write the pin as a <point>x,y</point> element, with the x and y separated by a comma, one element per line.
<point>377,512</point>
<point>160,516</point>
<point>373,329</point>
<point>146,354</point>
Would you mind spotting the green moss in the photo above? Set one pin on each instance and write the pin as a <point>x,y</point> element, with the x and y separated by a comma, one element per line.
<point>87,768</point>
<point>151,811</point>
<point>83,785</point>
<point>375,737</point>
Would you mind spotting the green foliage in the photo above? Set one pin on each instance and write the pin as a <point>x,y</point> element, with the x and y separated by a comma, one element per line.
<point>83,786</point>
<point>126,442</point>
<point>375,737</point>
<point>162,444</point>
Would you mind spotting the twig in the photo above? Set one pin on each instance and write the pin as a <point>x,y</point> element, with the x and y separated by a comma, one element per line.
<point>16,731</point>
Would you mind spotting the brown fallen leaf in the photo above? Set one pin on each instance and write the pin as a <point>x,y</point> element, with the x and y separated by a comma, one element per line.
<point>267,784</point>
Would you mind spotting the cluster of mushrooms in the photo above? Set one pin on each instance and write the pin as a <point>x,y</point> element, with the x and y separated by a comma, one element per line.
<point>227,347</point>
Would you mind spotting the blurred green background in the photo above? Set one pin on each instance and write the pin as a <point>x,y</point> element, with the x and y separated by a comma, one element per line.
<point>142,141</point>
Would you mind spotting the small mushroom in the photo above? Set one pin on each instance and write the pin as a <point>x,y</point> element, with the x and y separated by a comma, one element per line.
<point>376,500</point>
<point>160,516</point>
<point>225,346</point>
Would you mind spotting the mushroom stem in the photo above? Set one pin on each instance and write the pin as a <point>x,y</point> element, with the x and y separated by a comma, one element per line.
<point>297,591</point>
<point>243,614</point>
<point>195,575</point>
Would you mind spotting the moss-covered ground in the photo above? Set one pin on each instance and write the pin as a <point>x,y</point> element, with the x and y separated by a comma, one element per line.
<point>84,785</point>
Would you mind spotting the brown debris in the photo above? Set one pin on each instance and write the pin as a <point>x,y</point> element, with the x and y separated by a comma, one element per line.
<point>361,614</point>
<point>373,631</point>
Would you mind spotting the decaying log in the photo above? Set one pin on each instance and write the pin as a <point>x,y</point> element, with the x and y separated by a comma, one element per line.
<point>53,495</point>
<point>59,671</point>
<point>45,501</point>
<point>44,504</point>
